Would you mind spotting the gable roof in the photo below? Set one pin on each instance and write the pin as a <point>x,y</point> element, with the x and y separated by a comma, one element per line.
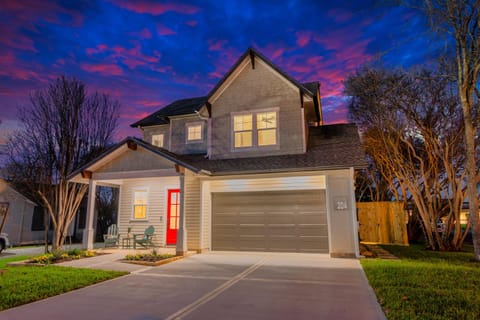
<point>192,105</point>
<point>121,147</point>
<point>252,53</point>
<point>176,108</point>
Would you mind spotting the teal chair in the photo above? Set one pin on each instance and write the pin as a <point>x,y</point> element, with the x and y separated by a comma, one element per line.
<point>145,239</point>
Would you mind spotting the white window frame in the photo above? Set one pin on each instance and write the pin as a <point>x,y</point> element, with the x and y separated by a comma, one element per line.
<point>156,136</point>
<point>194,124</point>
<point>147,191</point>
<point>255,130</point>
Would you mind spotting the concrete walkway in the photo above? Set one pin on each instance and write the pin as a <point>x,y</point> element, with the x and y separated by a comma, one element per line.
<point>220,285</point>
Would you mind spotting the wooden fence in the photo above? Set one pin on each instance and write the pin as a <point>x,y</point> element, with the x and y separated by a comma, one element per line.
<point>382,222</point>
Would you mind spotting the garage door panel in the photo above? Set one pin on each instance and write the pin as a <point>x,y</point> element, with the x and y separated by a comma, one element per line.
<point>283,221</point>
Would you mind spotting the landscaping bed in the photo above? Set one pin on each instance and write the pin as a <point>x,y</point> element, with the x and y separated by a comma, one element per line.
<point>424,284</point>
<point>58,257</point>
<point>151,259</point>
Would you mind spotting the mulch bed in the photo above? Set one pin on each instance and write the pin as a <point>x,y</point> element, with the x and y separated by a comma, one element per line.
<point>153,263</point>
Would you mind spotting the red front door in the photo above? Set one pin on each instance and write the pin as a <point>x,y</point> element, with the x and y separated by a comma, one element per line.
<point>173,212</point>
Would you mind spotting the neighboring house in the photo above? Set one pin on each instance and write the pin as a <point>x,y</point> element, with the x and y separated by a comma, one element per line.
<point>24,224</point>
<point>249,167</point>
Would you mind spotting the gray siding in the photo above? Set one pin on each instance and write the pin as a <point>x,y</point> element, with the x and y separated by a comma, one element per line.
<point>256,89</point>
<point>178,137</point>
<point>162,129</point>
<point>138,160</point>
<point>192,210</point>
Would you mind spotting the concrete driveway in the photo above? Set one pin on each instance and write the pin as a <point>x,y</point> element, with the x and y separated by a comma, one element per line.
<point>221,285</point>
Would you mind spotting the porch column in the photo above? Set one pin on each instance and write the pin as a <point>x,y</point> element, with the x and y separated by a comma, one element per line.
<point>89,232</point>
<point>182,231</point>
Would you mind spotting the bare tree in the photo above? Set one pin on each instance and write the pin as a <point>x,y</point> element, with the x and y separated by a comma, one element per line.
<point>413,130</point>
<point>62,129</point>
<point>460,20</point>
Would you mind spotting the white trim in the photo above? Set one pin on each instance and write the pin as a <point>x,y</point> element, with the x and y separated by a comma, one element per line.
<point>353,211</point>
<point>194,124</point>
<point>304,135</point>
<point>132,215</point>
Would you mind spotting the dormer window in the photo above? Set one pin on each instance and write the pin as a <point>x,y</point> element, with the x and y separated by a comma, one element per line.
<point>157,140</point>
<point>194,132</point>
<point>255,129</point>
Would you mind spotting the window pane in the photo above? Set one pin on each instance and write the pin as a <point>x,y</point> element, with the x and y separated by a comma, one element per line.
<point>267,137</point>
<point>140,197</point>
<point>194,132</point>
<point>243,139</point>
<point>173,223</point>
<point>242,122</point>
<point>140,212</point>
<point>157,140</point>
<point>266,120</point>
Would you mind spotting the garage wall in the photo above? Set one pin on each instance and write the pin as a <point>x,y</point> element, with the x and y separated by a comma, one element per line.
<point>192,210</point>
<point>343,226</point>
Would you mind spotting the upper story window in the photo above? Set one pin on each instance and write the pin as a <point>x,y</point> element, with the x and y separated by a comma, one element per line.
<point>157,140</point>
<point>255,129</point>
<point>194,132</point>
<point>140,204</point>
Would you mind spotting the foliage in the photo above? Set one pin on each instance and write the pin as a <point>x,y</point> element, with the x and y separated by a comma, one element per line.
<point>413,132</point>
<point>426,284</point>
<point>60,256</point>
<point>150,257</point>
<point>20,285</point>
<point>63,128</point>
<point>458,21</point>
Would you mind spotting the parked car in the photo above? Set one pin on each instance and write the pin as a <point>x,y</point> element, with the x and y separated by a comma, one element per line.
<point>4,243</point>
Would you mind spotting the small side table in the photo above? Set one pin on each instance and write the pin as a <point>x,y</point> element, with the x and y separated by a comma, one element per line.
<point>126,242</point>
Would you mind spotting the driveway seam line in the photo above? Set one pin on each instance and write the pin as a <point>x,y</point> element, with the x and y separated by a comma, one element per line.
<point>181,276</point>
<point>214,293</point>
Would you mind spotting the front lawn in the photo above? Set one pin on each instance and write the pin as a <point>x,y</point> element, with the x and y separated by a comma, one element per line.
<point>425,284</point>
<point>20,285</point>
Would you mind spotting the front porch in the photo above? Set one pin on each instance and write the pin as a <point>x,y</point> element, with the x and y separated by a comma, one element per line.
<point>151,194</point>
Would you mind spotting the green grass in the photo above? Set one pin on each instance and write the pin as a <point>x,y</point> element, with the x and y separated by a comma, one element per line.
<point>20,285</point>
<point>426,284</point>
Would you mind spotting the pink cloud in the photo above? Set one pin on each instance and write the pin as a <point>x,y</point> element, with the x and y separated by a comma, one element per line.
<point>99,48</point>
<point>216,45</point>
<point>303,38</point>
<point>104,69</point>
<point>192,23</point>
<point>155,8</point>
<point>164,31</point>
<point>150,103</point>
<point>132,57</point>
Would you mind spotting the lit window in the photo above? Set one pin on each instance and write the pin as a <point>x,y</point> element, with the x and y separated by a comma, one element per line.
<point>157,140</point>
<point>140,204</point>
<point>242,127</point>
<point>267,128</point>
<point>194,132</point>
<point>256,129</point>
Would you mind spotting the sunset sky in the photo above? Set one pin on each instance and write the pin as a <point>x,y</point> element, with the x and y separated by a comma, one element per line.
<point>148,53</point>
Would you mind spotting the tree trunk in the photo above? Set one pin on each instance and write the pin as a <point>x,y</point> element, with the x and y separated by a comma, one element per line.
<point>471,169</point>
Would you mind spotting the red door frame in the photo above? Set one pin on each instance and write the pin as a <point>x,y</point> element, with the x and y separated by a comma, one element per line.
<point>172,226</point>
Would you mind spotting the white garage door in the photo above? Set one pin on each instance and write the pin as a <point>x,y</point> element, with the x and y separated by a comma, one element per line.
<point>280,221</point>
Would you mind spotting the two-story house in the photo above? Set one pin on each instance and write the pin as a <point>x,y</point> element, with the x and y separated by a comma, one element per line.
<point>249,167</point>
